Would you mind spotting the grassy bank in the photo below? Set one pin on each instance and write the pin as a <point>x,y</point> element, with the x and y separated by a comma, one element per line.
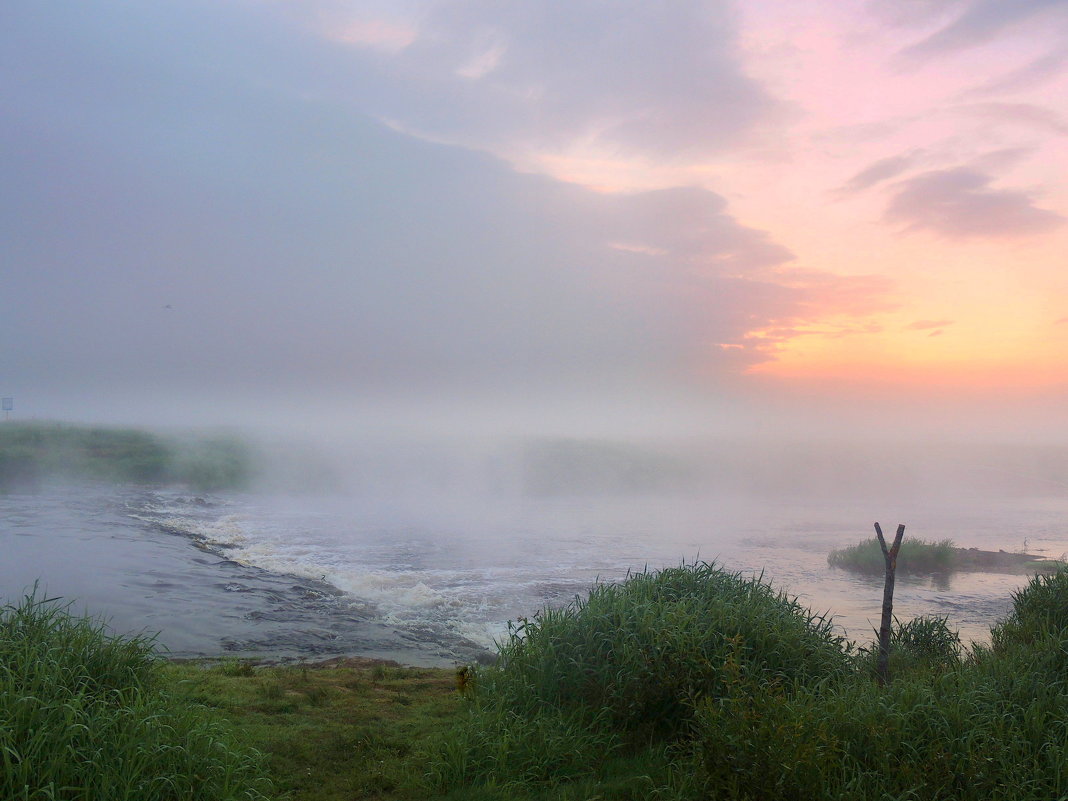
<point>33,452</point>
<point>87,716</point>
<point>689,683</point>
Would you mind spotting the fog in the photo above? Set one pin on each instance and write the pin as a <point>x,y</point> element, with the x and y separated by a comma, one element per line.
<point>885,474</point>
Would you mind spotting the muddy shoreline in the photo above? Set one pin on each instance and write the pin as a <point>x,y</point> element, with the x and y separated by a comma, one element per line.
<point>978,561</point>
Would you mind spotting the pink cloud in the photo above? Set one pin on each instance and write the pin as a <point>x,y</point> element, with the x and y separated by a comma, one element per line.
<point>374,33</point>
<point>1028,114</point>
<point>960,203</point>
<point>924,325</point>
<point>879,171</point>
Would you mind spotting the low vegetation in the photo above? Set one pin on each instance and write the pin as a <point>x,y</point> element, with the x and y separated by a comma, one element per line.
<point>687,683</point>
<point>333,732</point>
<point>34,452</point>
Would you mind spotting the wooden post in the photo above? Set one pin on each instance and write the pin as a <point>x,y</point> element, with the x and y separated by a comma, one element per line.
<point>890,557</point>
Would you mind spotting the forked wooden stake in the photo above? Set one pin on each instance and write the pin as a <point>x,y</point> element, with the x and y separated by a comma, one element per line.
<point>890,557</point>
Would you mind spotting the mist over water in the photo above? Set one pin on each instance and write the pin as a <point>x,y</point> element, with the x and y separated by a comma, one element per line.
<point>422,550</point>
<point>508,324</point>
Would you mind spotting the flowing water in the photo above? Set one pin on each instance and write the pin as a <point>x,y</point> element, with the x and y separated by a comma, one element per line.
<point>434,578</point>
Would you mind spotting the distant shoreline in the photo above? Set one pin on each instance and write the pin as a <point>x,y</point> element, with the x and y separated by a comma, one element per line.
<point>32,453</point>
<point>978,561</point>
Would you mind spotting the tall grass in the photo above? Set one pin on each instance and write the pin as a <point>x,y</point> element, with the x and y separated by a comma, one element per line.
<point>704,684</point>
<point>916,557</point>
<point>990,725</point>
<point>623,667</point>
<point>1039,615</point>
<point>922,645</point>
<point>83,715</point>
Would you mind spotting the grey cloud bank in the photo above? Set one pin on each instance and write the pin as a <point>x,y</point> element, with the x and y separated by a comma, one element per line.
<point>656,78</point>
<point>188,219</point>
<point>960,202</point>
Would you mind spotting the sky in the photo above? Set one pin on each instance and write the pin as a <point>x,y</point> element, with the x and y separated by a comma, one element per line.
<point>583,216</point>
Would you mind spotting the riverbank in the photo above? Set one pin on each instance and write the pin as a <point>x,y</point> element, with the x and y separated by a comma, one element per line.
<point>680,684</point>
<point>36,452</point>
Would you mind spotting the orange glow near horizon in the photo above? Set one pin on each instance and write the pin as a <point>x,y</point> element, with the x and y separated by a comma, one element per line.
<point>961,354</point>
<point>922,209</point>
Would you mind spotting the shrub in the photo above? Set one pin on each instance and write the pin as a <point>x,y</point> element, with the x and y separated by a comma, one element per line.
<point>925,643</point>
<point>32,452</point>
<point>209,464</point>
<point>83,715</point>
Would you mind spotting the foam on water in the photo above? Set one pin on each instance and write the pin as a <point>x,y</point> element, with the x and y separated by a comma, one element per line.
<point>464,570</point>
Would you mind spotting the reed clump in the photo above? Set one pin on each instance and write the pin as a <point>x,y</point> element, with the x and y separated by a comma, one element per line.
<point>916,557</point>
<point>1039,615</point>
<point>85,715</point>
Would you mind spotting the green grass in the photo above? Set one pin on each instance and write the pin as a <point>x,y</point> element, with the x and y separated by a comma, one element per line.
<point>33,452</point>
<point>617,674</point>
<point>330,733</point>
<point>591,694</point>
<point>677,685</point>
<point>991,723</point>
<point>1039,616</point>
<point>916,557</point>
<point>87,716</point>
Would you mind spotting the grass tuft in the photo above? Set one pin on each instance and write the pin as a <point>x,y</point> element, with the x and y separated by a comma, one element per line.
<point>916,557</point>
<point>1039,615</point>
<point>624,667</point>
<point>85,715</point>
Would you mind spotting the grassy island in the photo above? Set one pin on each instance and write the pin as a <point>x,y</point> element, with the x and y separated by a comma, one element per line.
<point>683,684</point>
<point>921,558</point>
<point>34,452</point>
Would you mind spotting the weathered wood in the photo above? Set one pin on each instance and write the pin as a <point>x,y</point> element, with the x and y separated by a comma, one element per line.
<point>890,558</point>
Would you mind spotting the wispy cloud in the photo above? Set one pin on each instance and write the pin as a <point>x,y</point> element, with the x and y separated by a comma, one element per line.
<point>1030,75</point>
<point>961,203</point>
<point>1028,114</point>
<point>925,325</point>
<point>647,79</point>
<point>879,171</point>
<point>980,22</point>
